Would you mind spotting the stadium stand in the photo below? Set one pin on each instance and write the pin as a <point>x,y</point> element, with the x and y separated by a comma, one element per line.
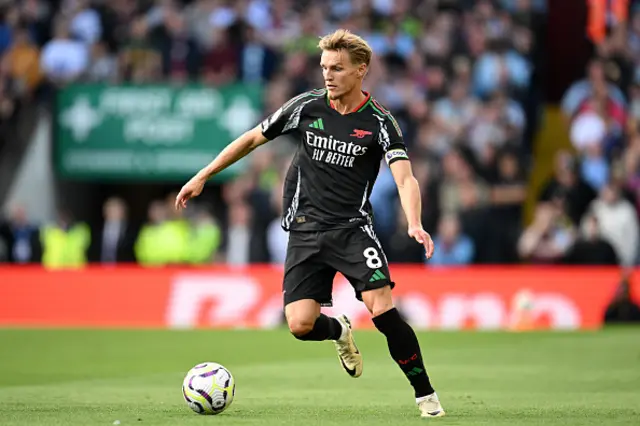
<point>461,77</point>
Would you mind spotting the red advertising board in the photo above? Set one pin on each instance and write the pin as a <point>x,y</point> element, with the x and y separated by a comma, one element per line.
<point>464,298</point>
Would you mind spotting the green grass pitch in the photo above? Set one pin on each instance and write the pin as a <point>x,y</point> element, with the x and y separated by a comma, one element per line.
<point>95,377</point>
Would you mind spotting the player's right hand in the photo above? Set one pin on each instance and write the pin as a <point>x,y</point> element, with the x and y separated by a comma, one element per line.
<point>191,189</point>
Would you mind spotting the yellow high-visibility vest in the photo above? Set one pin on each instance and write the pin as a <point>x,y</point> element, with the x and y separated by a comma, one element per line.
<point>65,248</point>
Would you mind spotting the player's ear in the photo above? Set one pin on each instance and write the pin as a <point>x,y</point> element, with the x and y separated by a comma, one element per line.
<point>362,70</point>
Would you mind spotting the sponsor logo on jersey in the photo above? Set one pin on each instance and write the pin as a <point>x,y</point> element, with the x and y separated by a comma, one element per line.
<point>332,151</point>
<point>395,154</point>
<point>360,133</point>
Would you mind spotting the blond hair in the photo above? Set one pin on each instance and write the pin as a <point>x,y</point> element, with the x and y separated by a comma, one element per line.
<point>359,50</point>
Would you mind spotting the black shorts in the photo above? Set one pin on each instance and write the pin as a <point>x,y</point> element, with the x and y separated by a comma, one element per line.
<point>313,258</point>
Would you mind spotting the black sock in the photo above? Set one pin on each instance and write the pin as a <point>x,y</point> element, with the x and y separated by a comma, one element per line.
<point>405,350</point>
<point>325,328</point>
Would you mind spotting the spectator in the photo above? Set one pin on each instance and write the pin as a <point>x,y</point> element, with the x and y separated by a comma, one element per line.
<point>204,240</point>
<point>508,193</point>
<point>618,223</point>
<point>140,60</point>
<point>103,66</point>
<point>20,238</point>
<point>501,68</point>
<point>451,247</point>
<point>64,59</point>
<point>35,15</point>
<point>510,113</point>
<point>588,133</point>
<point>148,248</point>
<point>261,177</point>
<point>590,248</point>
<point>257,62</point>
<point>455,113</point>
<point>65,242</point>
<point>164,239</point>
<point>311,24</point>
<point>549,237</point>
<point>392,41</point>
<point>488,132</point>
<point>582,91</point>
<point>220,63</point>
<point>237,253</point>
<point>567,185</point>
<point>461,190</point>
<point>179,51</point>
<point>114,239</point>
<point>617,56</point>
<point>23,62</point>
<point>198,16</point>
<point>85,24</point>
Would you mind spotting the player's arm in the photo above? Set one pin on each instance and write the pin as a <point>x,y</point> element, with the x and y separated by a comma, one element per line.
<point>410,199</point>
<point>395,154</point>
<point>233,152</point>
<point>409,192</point>
<point>283,121</point>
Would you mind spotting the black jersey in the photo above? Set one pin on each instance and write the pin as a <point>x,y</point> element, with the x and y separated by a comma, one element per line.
<point>336,162</point>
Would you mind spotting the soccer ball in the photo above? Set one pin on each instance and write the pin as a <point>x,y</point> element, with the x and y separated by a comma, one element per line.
<point>208,388</point>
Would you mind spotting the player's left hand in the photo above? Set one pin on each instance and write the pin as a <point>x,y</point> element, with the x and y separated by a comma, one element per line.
<point>423,237</point>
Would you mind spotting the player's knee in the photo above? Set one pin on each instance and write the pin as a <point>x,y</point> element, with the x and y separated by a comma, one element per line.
<point>300,326</point>
<point>381,308</point>
<point>378,301</point>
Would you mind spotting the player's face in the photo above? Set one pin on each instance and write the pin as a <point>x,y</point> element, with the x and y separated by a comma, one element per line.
<point>341,76</point>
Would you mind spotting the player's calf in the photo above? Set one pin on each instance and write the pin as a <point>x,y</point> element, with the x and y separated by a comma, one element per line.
<point>323,328</point>
<point>306,322</point>
<point>328,328</point>
<point>405,350</point>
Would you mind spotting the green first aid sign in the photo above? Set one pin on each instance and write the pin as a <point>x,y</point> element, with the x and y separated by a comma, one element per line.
<point>148,132</point>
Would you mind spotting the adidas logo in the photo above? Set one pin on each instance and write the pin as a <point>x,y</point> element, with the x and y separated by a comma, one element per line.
<point>377,276</point>
<point>317,124</point>
<point>414,372</point>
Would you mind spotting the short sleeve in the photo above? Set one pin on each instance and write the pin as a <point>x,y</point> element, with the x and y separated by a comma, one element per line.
<point>287,118</point>
<point>390,139</point>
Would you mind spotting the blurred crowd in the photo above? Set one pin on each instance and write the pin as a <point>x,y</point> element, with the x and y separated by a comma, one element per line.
<point>588,210</point>
<point>166,238</point>
<point>460,77</point>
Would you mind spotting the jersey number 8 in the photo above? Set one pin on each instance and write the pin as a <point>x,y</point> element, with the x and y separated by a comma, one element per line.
<point>373,258</point>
